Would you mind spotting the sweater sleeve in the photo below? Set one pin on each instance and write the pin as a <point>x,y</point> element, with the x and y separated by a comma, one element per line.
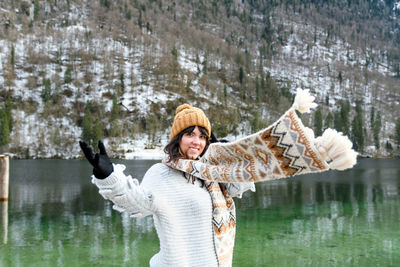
<point>284,149</point>
<point>126,193</point>
<point>237,189</point>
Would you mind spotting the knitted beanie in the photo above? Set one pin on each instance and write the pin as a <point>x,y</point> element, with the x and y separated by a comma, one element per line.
<point>187,116</point>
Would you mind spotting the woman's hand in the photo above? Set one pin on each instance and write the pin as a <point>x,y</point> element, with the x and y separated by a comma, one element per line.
<point>102,165</point>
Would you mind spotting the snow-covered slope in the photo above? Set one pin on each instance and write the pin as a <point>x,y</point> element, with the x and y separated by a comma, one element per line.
<point>96,60</point>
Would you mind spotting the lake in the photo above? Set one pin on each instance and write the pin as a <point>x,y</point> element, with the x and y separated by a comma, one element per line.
<point>55,217</point>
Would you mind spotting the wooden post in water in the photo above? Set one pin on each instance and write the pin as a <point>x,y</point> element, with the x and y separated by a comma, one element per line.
<point>4,177</point>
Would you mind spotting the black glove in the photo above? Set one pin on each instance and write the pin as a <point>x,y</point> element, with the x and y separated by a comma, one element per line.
<point>102,165</point>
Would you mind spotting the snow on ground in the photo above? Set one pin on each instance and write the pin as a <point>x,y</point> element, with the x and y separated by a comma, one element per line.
<point>140,147</point>
<point>315,66</point>
<point>149,154</point>
<point>396,6</point>
<point>292,65</point>
<point>186,63</point>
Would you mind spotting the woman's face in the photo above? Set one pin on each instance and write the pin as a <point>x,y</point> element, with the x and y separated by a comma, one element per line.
<point>192,144</point>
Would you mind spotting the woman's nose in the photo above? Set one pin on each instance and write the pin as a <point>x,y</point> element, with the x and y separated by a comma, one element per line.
<point>196,139</point>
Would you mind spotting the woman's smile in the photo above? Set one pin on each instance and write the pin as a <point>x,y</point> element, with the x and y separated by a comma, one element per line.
<point>192,144</point>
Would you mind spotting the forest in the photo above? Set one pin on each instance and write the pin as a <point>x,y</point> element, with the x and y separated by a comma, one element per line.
<point>116,70</point>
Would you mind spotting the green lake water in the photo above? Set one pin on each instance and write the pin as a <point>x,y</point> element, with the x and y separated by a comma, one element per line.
<point>55,217</point>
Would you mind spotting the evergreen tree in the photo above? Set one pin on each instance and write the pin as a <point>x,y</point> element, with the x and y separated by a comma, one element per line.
<point>257,90</point>
<point>225,93</point>
<point>267,33</point>
<point>397,132</point>
<point>46,91</point>
<point>140,19</point>
<point>87,125</point>
<point>115,109</point>
<point>255,122</point>
<point>122,83</point>
<point>344,114</point>
<point>328,120</point>
<point>92,129</point>
<point>341,118</point>
<point>4,128</point>
<point>396,68</point>
<point>376,129</point>
<point>174,53</point>
<point>205,63</point>
<point>114,129</point>
<point>372,117</point>
<point>57,136</point>
<point>337,122</point>
<point>263,88</point>
<point>105,3</point>
<point>389,146</point>
<point>12,59</point>
<point>340,77</point>
<point>241,75</point>
<point>97,133</point>
<point>271,90</point>
<point>8,110</point>
<point>315,34</point>
<point>148,27</point>
<point>36,9</point>
<point>67,75</point>
<point>318,122</point>
<point>357,130</point>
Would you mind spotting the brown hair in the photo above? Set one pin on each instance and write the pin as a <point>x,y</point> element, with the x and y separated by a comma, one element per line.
<point>172,148</point>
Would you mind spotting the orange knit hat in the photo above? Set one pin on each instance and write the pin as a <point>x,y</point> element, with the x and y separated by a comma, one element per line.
<point>187,116</point>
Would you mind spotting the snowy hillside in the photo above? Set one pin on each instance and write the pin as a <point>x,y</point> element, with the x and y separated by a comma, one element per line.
<point>131,65</point>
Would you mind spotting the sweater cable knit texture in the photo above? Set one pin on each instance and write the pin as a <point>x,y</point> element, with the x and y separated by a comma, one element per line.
<point>182,212</point>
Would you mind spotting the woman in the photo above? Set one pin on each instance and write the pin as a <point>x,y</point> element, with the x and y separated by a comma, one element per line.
<point>190,193</point>
<point>180,203</point>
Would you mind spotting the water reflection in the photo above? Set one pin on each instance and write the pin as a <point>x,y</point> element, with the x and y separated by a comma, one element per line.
<point>360,185</point>
<point>57,217</point>
<point>349,217</point>
<point>4,221</point>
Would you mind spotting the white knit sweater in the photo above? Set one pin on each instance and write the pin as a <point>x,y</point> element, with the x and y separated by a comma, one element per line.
<point>182,212</point>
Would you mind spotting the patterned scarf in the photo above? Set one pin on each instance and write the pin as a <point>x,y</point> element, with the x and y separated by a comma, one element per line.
<point>284,149</point>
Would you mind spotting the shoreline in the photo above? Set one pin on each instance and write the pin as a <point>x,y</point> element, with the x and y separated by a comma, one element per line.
<point>149,154</point>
